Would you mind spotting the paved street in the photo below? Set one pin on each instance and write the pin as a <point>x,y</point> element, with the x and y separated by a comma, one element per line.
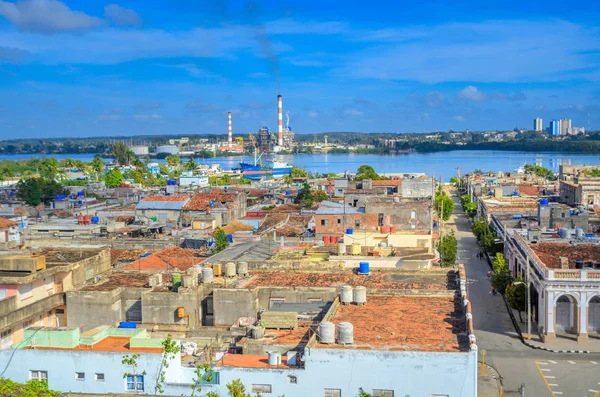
<point>516,363</point>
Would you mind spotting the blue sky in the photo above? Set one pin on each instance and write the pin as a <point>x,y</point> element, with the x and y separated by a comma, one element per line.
<point>94,68</point>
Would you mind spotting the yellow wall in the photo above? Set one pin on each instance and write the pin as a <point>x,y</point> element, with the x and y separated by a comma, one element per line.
<point>401,240</point>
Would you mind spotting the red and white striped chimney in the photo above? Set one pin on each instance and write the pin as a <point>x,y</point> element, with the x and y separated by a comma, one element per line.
<point>280,119</point>
<point>230,137</point>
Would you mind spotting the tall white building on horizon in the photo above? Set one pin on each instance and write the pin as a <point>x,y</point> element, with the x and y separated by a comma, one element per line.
<point>564,126</point>
<point>537,124</point>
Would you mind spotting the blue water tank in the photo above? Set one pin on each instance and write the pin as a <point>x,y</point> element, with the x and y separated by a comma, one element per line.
<point>544,202</point>
<point>434,224</point>
<point>517,216</point>
<point>287,192</point>
<point>230,238</point>
<point>515,193</point>
<point>349,231</point>
<point>210,243</point>
<point>61,197</point>
<point>225,188</point>
<point>95,219</point>
<point>363,268</point>
<point>127,324</point>
<point>590,235</point>
<point>212,203</point>
<point>80,202</point>
<point>80,193</point>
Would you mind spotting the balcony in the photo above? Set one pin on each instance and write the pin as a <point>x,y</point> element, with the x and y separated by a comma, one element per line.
<point>9,314</point>
<point>573,275</point>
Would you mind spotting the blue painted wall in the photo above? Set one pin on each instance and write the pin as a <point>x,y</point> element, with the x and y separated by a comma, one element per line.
<point>407,373</point>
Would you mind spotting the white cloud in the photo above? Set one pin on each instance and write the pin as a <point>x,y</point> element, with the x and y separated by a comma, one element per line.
<point>353,112</point>
<point>313,114</point>
<point>488,51</point>
<point>194,70</point>
<point>471,93</point>
<point>12,55</point>
<point>459,118</point>
<point>46,16</point>
<point>122,16</point>
<point>147,117</point>
<point>290,26</point>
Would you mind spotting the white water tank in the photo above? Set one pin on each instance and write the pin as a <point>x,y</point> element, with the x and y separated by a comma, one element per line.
<point>346,294</point>
<point>326,332</point>
<point>345,333</point>
<point>230,269</point>
<point>188,280</point>
<point>360,295</point>
<point>274,358</point>
<point>207,274</point>
<point>579,233</point>
<point>341,248</point>
<point>242,268</point>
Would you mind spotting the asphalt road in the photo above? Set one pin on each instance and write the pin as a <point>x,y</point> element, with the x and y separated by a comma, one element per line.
<point>516,363</point>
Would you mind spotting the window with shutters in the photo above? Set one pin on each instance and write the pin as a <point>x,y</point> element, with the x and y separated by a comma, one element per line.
<point>133,311</point>
<point>38,375</point>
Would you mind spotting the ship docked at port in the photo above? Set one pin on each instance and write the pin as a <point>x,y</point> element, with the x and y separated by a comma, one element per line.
<point>273,169</point>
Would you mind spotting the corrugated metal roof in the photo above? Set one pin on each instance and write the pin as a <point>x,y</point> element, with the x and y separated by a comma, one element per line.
<point>160,205</point>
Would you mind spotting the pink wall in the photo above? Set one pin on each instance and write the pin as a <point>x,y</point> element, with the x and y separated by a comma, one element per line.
<point>11,289</point>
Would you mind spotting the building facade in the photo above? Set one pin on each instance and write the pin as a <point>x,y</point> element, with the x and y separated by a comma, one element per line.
<point>537,124</point>
<point>554,129</point>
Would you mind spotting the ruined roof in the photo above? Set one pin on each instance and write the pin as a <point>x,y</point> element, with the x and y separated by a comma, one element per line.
<point>168,259</point>
<point>423,280</point>
<point>249,361</point>
<point>549,253</point>
<point>68,255</point>
<point>237,227</point>
<point>126,255</point>
<point>201,201</point>
<point>405,323</point>
<point>7,223</point>
<point>120,280</point>
<point>286,208</point>
<point>270,221</point>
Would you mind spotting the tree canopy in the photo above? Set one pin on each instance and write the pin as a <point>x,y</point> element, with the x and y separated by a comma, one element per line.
<point>221,240</point>
<point>305,197</point>
<point>444,205</point>
<point>39,190</point>
<point>447,246</point>
<point>540,171</point>
<point>114,178</point>
<point>120,152</point>
<point>367,172</point>
<point>31,388</point>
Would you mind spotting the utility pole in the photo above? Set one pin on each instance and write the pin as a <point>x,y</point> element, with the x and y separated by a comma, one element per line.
<point>528,280</point>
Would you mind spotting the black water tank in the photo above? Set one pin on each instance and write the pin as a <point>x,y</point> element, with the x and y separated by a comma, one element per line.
<point>578,264</point>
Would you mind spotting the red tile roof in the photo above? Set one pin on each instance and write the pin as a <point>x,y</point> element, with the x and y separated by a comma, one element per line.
<point>165,198</point>
<point>201,201</point>
<point>549,253</point>
<point>391,182</point>
<point>7,223</point>
<point>528,190</point>
<point>168,259</point>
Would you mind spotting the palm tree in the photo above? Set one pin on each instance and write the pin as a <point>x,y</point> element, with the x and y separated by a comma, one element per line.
<point>191,164</point>
<point>119,151</point>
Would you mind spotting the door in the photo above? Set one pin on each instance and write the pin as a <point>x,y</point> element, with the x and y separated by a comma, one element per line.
<point>564,314</point>
<point>594,315</point>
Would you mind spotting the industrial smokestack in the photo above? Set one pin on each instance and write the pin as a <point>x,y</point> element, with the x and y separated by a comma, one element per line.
<point>280,119</point>
<point>230,137</point>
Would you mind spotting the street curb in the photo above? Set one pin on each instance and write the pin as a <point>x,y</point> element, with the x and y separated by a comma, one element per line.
<point>518,328</point>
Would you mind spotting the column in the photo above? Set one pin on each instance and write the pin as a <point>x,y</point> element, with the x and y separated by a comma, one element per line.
<point>582,335</point>
<point>549,335</point>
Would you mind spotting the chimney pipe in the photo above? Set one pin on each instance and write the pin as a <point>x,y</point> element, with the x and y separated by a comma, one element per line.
<point>280,120</point>
<point>230,137</point>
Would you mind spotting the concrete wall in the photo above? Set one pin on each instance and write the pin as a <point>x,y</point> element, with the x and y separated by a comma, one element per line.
<point>161,307</point>
<point>417,187</point>
<point>293,295</point>
<point>404,215</point>
<point>231,304</point>
<point>89,309</point>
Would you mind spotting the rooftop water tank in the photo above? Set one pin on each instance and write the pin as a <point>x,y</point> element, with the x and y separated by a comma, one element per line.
<point>217,270</point>
<point>176,281</point>
<point>274,358</point>
<point>544,202</point>
<point>326,332</point>
<point>346,294</point>
<point>242,269</point>
<point>579,232</point>
<point>345,333</point>
<point>207,275</point>
<point>95,219</point>
<point>230,238</point>
<point>363,268</point>
<point>355,249</point>
<point>230,269</point>
<point>127,324</point>
<point>349,231</point>
<point>360,295</point>
<point>80,193</point>
<point>341,249</point>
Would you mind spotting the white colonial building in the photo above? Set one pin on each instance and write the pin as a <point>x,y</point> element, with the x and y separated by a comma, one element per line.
<point>565,283</point>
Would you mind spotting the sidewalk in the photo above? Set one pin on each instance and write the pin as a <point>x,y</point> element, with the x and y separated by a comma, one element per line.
<point>488,384</point>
